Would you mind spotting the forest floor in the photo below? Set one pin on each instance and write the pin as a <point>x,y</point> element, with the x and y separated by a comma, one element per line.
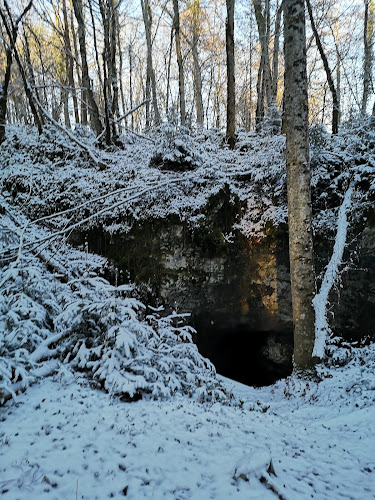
<point>293,440</point>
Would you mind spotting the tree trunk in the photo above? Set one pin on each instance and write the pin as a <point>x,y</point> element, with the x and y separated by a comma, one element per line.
<point>107,122</point>
<point>181,85</point>
<point>131,84</point>
<point>69,65</point>
<point>332,88</point>
<point>275,58</point>
<point>95,42</point>
<point>264,84</point>
<point>150,69</point>
<point>368,39</point>
<point>121,70</point>
<point>259,112</point>
<point>231,99</point>
<point>74,59</point>
<point>106,56</point>
<point>197,70</point>
<point>96,124</point>
<point>4,93</point>
<point>112,69</point>
<point>11,29</point>
<point>298,183</point>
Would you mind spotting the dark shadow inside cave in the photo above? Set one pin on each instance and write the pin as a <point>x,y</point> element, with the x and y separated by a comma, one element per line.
<point>255,358</point>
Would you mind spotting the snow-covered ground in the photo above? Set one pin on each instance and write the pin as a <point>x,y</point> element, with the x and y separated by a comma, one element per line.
<point>63,438</point>
<point>294,440</point>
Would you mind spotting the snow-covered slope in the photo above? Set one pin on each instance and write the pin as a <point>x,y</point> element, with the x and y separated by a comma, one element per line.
<point>295,440</point>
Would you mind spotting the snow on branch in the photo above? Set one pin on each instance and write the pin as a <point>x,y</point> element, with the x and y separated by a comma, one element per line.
<point>133,110</point>
<point>36,243</point>
<point>320,301</point>
<point>71,136</point>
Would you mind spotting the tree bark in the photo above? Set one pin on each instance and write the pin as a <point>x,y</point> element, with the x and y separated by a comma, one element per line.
<point>368,39</point>
<point>150,69</point>
<point>264,83</point>
<point>4,93</point>
<point>197,70</point>
<point>4,87</point>
<point>131,83</point>
<point>275,58</point>
<point>298,183</point>
<point>332,88</point>
<point>96,123</point>
<point>69,61</point>
<point>181,85</point>
<point>231,99</point>
<point>12,30</point>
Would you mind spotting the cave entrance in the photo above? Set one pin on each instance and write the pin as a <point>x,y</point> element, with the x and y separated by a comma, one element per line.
<point>255,358</point>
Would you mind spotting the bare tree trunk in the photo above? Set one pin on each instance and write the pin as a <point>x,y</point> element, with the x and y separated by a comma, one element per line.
<point>181,85</point>
<point>94,39</point>
<point>11,29</point>
<point>264,85</point>
<point>275,58</point>
<point>69,65</point>
<point>332,88</point>
<point>259,112</point>
<point>231,99</point>
<point>112,70</point>
<point>298,183</point>
<point>96,124</point>
<point>197,70</point>
<point>131,84</point>
<point>108,135</point>
<point>250,99</point>
<point>79,74</point>
<point>150,69</point>
<point>83,99</point>
<point>368,40</point>
<point>169,73</point>
<point>4,93</point>
<point>29,67</point>
<point>121,63</point>
<point>106,56</point>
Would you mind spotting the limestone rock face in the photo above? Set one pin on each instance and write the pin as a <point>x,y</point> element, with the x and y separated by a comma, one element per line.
<point>238,290</point>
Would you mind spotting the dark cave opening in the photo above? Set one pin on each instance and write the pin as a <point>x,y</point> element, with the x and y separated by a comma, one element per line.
<point>255,358</point>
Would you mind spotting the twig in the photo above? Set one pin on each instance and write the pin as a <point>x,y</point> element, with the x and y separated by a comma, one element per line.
<point>131,111</point>
<point>37,243</point>
<point>71,136</point>
<point>139,135</point>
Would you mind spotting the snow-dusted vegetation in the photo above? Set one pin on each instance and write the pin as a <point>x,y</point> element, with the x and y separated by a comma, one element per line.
<point>60,317</point>
<point>80,319</point>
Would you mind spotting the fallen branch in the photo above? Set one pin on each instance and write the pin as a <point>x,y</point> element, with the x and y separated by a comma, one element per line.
<point>139,135</point>
<point>71,136</point>
<point>320,301</point>
<point>133,110</point>
<point>37,243</point>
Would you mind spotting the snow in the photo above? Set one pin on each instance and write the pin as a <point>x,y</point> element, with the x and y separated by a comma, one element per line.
<point>320,301</point>
<point>297,439</point>
<point>65,332</point>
